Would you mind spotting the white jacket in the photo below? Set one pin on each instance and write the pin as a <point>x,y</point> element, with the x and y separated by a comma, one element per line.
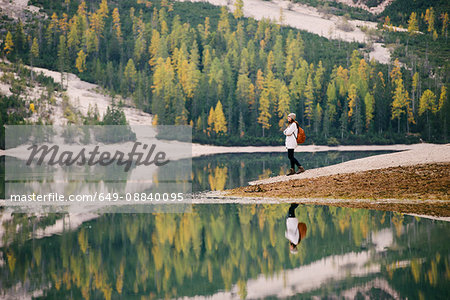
<point>291,136</point>
<point>292,233</point>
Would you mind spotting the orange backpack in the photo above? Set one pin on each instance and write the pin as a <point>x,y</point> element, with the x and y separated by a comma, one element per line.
<point>301,137</point>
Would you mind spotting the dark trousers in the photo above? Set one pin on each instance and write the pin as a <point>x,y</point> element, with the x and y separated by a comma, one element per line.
<point>294,161</point>
<point>291,212</point>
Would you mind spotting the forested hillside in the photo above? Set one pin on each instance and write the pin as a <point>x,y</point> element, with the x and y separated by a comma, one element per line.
<point>235,79</point>
<point>400,10</point>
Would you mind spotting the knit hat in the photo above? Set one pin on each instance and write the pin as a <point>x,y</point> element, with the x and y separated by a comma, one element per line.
<point>292,115</point>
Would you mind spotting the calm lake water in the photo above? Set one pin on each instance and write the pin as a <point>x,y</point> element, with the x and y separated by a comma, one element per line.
<point>226,251</point>
<point>226,171</point>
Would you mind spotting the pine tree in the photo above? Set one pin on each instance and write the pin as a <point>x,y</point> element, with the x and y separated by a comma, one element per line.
<point>331,102</point>
<point>216,76</point>
<point>198,124</point>
<point>344,121</point>
<point>204,30</point>
<point>415,84</point>
<point>73,40</point>
<point>139,47</point>
<point>369,102</point>
<point>317,117</point>
<point>270,62</point>
<point>435,35</point>
<point>130,74</point>
<point>63,55</point>
<point>189,77</point>
<point>211,119</point>
<point>238,9</point>
<point>281,17</point>
<point>283,104</point>
<point>52,28</point>
<point>180,106</point>
<point>443,109</point>
<point>67,4</point>
<point>34,53</point>
<point>91,41</point>
<point>244,93</point>
<point>19,38</point>
<point>194,55</point>
<point>224,24</point>
<point>413,26</point>
<point>309,95</point>
<point>9,45</point>
<point>382,111</point>
<point>264,114</point>
<point>409,112</point>
<point>34,50</point>
<point>82,23</point>
<point>289,66</point>
<point>278,56</point>
<point>318,78</point>
<point>259,80</point>
<point>297,88</point>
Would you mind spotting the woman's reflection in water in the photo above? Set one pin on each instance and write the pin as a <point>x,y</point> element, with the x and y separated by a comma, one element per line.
<point>295,231</point>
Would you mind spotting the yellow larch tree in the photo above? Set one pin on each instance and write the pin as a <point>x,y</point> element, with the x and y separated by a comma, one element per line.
<point>413,26</point>
<point>442,97</point>
<point>429,19</point>
<point>396,72</point>
<point>211,119</point>
<point>80,62</point>
<point>63,24</point>
<point>427,103</point>
<point>444,18</point>
<point>116,24</point>
<point>220,123</point>
<point>369,102</point>
<point>9,45</point>
<point>352,99</point>
<point>399,103</point>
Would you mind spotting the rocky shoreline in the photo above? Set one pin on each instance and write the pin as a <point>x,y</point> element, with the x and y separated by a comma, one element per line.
<point>419,189</point>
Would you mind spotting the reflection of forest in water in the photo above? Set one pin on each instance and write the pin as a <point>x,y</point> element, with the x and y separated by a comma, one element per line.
<point>225,171</point>
<point>231,249</point>
<point>213,172</point>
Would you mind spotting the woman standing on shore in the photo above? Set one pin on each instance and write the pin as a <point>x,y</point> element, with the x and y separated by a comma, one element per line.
<point>291,133</point>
